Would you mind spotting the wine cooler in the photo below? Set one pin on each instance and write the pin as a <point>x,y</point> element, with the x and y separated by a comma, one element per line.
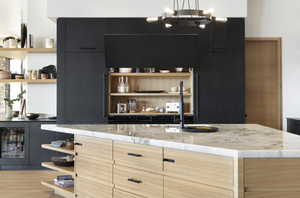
<point>12,143</point>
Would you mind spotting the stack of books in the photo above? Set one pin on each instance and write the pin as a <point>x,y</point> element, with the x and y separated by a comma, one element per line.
<point>64,181</point>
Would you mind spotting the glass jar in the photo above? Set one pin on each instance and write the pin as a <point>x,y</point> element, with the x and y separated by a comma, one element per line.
<point>132,104</point>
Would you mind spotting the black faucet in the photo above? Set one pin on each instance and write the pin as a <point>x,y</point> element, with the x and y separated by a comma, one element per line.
<point>181,105</point>
<point>192,129</point>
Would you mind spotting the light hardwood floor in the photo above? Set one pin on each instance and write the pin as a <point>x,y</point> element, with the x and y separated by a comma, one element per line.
<point>25,184</point>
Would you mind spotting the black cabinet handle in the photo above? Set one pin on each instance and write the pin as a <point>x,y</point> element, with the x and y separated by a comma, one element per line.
<point>77,144</point>
<point>88,48</point>
<point>134,180</point>
<point>169,160</point>
<point>134,155</point>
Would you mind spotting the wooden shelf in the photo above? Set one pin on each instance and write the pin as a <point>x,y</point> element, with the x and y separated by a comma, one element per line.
<point>39,81</point>
<point>149,94</point>
<point>67,192</point>
<point>170,75</point>
<point>29,50</point>
<point>20,53</point>
<point>67,170</point>
<point>62,150</point>
<point>145,114</point>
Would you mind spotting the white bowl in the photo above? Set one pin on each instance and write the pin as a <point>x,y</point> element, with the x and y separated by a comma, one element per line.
<point>179,69</point>
<point>125,70</point>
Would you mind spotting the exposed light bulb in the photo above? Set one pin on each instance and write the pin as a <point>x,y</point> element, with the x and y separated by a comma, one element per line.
<point>219,19</point>
<point>169,11</point>
<point>152,19</point>
<point>202,26</point>
<point>168,25</point>
<point>209,11</point>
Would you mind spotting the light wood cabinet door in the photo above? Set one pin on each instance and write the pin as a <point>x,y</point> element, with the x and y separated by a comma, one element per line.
<point>138,182</point>
<point>201,168</point>
<point>93,148</point>
<point>176,188</point>
<point>272,195</point>
<point>85,188</point>
<point>138,156</point>
<point>96,170</point>
<point>272,174</point>
<point>121,194</point>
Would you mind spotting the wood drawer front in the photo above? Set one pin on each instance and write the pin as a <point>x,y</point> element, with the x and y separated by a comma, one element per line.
<point>138,182</point>
<point>121,194</point>
<point>272,195</point>
<point>177,188</point>
<point>85,188</point>
<point>272,174</point>
<point>138,156</point>
<point>98,171</point>
<point>201,168</point>
<point>94,148</point>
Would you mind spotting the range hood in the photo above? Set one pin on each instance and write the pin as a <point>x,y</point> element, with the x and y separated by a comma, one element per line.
<point>155,50</point>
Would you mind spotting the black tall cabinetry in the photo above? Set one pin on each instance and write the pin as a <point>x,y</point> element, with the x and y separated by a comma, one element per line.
<point>218,81</point>
<point>220,84</point>
<point>81,71</point>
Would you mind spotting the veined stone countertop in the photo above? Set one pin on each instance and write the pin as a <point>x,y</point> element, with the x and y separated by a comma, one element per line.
<point>232,140</point>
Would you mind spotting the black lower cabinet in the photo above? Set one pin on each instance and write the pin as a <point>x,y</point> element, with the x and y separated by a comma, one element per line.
<point>21,145</point>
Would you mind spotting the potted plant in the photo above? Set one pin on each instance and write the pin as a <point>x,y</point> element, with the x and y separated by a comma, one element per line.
<point>10,102</point>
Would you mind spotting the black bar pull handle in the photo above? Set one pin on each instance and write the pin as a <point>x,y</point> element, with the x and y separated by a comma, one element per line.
<point>77,144</point>
<point>88,48</point>
<point>134,180</point>
<point>134,155</point>
<point>169,160</point>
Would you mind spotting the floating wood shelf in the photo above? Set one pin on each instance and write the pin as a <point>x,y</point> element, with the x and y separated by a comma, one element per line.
<point>20,53</point>
<point>149,94</point>
<point>29,50</point>
<point>39,81</point>
<point>67,170</point>
<point>146,114</point>
<point>171,75</point>
<point>62,150</point>
<point>67,192</point>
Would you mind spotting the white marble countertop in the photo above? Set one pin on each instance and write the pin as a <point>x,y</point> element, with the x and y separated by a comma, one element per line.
<point>232,140</point>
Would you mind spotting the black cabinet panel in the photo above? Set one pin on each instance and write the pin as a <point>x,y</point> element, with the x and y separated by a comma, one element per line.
<point>161,50</point>
<point>82,80</point>
<point>84,35</point>
<point>221,89</point>
<point>219,37</point>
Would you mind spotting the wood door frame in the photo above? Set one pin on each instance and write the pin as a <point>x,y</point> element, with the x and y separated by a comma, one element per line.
<point>278,41</point>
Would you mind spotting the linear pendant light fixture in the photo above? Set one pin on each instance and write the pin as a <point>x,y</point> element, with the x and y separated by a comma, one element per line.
<point>186,14</point>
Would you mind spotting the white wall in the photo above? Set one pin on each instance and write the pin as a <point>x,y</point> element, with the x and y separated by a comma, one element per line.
<point>10,17</point>
<point>41,98</point>
<point>280,18</point>
<point>136,8</point>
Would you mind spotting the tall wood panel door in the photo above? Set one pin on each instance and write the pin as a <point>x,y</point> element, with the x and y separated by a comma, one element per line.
<point>264,82</point>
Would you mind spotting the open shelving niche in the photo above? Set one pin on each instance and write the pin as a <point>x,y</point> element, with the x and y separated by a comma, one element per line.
<point>20,53</point>
<point>150,81</point>
<point>67,192</point>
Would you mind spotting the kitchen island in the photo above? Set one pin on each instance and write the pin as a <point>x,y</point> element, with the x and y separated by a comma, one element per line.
<point>154,161</point>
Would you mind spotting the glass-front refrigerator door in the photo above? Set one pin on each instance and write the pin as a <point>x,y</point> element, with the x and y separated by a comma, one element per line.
<point>13,145</point>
